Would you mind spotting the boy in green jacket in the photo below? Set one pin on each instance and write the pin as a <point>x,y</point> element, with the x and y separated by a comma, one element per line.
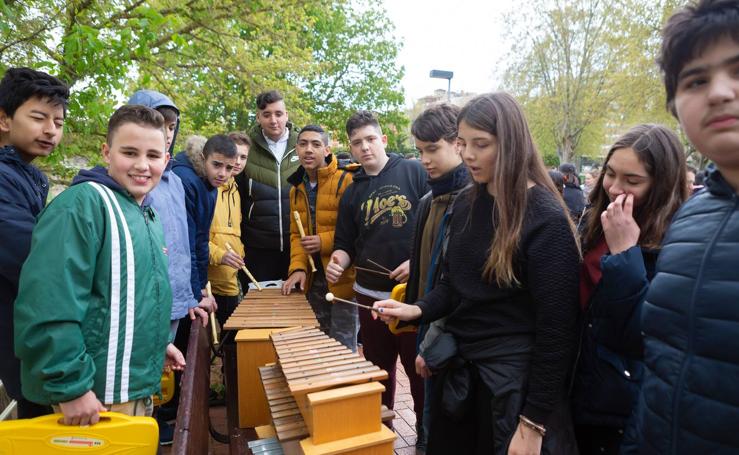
<point>92,313</point>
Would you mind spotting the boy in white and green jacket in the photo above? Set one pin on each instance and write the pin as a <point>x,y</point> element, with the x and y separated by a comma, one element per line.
<point>92,314</point>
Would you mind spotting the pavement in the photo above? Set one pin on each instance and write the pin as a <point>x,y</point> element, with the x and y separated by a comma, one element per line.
<point>404,422</point>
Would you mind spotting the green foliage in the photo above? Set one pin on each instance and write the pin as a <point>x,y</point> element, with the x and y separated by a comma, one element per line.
<point>211,57</point>
<point>356,54</point>
<point>585,71</point>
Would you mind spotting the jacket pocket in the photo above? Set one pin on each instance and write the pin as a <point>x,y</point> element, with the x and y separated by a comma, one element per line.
<point>607,385</point>
<point>96,328</point>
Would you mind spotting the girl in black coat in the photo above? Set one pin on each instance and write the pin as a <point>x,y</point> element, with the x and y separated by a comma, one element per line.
<point>641,186</point>
<point>509,291</point>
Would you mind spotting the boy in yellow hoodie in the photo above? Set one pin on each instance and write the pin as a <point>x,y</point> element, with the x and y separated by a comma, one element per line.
<point>318,185</point>
<point>226,228</point>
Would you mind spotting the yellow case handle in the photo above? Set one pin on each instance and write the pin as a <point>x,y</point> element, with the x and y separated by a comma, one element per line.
<point>398,294</point>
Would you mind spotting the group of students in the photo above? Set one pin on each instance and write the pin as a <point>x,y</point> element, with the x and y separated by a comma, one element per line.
<point>533,335</point>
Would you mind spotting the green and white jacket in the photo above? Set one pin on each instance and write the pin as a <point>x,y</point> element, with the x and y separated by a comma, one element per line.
<point>93,307</point>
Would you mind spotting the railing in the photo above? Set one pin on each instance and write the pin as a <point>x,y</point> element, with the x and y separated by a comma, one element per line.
<point>191,430</point>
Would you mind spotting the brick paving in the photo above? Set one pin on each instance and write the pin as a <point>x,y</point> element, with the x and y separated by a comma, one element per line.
<point>405,419</point>
<point>404,422</point>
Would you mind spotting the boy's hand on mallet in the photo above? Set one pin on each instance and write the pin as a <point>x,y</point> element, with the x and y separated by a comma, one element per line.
<point>208,302</point>
<point>401,272</point>
<point>231,259</point>
<point>84,410</point>
<point>311,243</point>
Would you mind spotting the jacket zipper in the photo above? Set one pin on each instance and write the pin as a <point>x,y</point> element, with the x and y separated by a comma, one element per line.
<point>153,262</point>
<point>279,203</point>
<point>279,196</point>
<point>307,217</point>
<point>310,224</point>
<point>691,326</point>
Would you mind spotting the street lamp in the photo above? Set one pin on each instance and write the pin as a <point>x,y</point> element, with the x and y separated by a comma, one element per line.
<point>448,75</point>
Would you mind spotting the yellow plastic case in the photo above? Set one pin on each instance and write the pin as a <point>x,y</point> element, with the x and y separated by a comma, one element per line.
<point>115,434</point>
<point>398,294</point>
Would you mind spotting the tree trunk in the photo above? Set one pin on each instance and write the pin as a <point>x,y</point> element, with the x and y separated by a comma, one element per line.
<point>565,151</point>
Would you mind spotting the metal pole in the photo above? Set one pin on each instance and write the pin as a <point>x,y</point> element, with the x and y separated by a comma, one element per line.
<point>449,90</point>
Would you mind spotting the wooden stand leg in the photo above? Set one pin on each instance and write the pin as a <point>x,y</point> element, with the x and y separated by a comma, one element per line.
<point>238,440</point>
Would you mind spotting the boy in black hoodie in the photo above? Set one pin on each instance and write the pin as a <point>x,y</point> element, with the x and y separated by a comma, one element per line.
<point>373,231</point>
<point>32,110</point>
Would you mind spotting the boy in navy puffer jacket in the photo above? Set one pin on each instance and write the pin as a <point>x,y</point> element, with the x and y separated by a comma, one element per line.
<point>32,110</point>
<point>689,400</point>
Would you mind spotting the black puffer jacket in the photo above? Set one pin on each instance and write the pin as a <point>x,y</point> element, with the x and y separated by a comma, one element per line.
<point>265,193</point>
<point>689,401</point>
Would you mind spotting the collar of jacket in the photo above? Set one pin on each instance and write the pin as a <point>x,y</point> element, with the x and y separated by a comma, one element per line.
<point>297,177</point>
<point>99,174</point>
<point>230,185</point>
<point>197,160</point>
<point>455,179</point>
<point>716,184</point>
<point>258,136</point>
<point>10,156</point>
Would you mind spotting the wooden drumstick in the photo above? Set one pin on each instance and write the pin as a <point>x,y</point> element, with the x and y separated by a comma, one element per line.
<point>243,267</point>
<point>379,265</point>
<point>330,298</point>
<point>213,331</point>
<point>364,269</point>
<point>296,215</point>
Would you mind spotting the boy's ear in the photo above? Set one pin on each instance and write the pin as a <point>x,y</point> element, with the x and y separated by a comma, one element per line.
<point>105,149</point>
<point>4,121</point>
<point>327,151</point>
<point>384,139</point>
<point>166,158</point>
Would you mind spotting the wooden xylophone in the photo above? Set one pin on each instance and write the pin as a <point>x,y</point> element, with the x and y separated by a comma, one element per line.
<point>269,309</point>
<point>257,316</point>
<point>324,396</point>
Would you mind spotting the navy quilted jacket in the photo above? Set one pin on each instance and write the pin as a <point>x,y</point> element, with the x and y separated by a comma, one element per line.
<point>689,402</point>
<point>23,191</point>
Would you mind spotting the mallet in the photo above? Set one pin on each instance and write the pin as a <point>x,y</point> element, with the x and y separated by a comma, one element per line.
<point>213,331</point>
<point>296,215</point>
<point>248,273</point>
<point>330,298</point>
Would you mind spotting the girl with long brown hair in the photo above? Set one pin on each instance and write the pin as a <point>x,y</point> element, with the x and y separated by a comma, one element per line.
<point>509,291</point>
<point>641,186</point>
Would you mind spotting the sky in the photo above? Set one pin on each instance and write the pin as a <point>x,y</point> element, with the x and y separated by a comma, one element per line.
<point>463,36</point>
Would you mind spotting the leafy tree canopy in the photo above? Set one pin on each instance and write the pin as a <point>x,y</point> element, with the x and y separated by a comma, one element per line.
<point>212,57</point>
